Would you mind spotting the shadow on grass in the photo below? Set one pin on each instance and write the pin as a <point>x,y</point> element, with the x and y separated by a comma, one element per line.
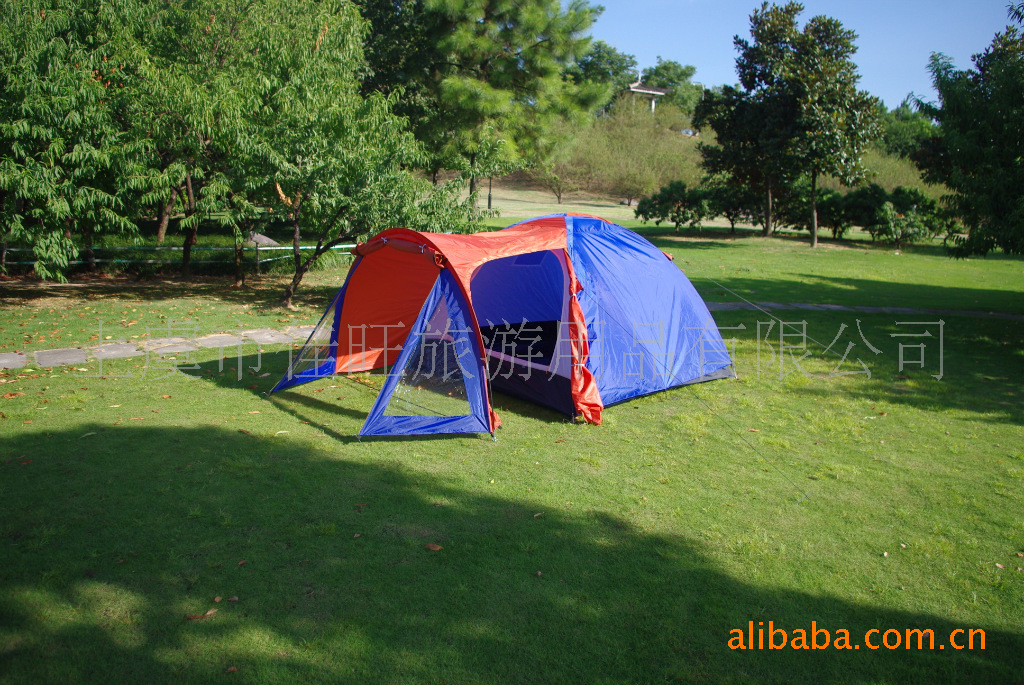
<point>107,548</point>
<point>981,360</point>
<point>261,372</point>
<point>264,294</point>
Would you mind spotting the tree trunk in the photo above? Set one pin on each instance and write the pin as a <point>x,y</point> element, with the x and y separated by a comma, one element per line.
<point>768,228</point>
<point>300,268</point>
<point>239,264</point>
<point>165,216</point>
<point>289,292</point>
<point>472,173</point>
<point>192,231</point>
<point>88,253</point>
<point>814,209</point>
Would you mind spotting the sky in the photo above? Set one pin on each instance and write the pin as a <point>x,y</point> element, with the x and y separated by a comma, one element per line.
<point>895,38</point>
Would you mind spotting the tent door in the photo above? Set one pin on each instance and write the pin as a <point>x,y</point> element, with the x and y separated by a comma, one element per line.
<point>437,384</point>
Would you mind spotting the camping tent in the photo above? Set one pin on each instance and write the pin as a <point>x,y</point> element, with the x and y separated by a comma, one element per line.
<point>567,311</point>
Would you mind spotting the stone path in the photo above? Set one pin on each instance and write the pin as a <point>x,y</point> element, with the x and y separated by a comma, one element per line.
<point>71,356</point>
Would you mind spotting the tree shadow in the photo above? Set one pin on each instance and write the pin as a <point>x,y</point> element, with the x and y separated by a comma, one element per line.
<point>152,523</point>
<point>258,374</point>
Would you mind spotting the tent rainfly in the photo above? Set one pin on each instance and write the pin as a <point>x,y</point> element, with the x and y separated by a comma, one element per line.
<point>567,311</point>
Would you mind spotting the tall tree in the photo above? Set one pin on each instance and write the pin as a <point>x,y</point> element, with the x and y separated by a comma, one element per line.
<point>66,164</point>
<point>978,146</point>
<point>835,120</point>
<point>799,111</point>
<point>479,65</point>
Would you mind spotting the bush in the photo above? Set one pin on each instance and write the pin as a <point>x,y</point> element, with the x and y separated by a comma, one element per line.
<point>898,228</point>
<point>678,204</point>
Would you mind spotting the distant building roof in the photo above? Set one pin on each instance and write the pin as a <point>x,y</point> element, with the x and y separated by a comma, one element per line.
<point>639,87</point>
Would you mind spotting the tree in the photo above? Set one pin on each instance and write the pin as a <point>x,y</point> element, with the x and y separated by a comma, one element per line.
<point>750,153</point>
<point>605,66</point>
<point>835,120</point>
<point>676,203</point>
<point>904,129</point>
<point>978,145</point>
<point>675,78</point>
<point>67,168</point>
<point>474,64</point>
<point>336,164</point>
<point>798,111</point>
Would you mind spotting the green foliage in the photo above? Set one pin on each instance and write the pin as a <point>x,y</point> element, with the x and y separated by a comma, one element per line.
<point>979,143</point>
<point>475,64</point>
<point>676,79</point>
<point>677,204</point>
<point>605,66</point>
<point>799,111</point>
<point>904,130</point>
<point>898,228</point>
<point>67,166</point>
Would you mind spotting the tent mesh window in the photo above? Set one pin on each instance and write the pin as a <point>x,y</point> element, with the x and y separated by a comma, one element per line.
<point>433,381</point>
<point>317,349</point>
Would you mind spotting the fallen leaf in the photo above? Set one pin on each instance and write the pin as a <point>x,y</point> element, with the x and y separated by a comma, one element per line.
<point>113,406</point>
<point>538,574</point>
<point>885,554</point>
<point>193,617</point>
<point>242,430</point>
<point>539,513</point>
<point>211,612</point>
<point>166,397</point>
<point>903,545</point>
<point>233,599</point>
<point>12,395</point>
<point>254,387</point>
<point>432,547</point>
<point>1020,554</point>
<point>29,421</point>
<point>217,599</point>
<point>264,375</point>
<point>357,535</point>
<point>753,430</point>
<point>26,462</point>
<point>560,440</point>
<point>136,418</point>
<point>1000,566</point>
<point>232,669</point>
<point>254,412</point>
<point>242,562</point>
<point>883,413</point>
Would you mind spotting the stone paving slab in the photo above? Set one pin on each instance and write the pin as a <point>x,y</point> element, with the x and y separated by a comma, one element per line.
<point>156,343</point>
<point>300,333</point>
<point>219,340</point>
<point>117,351</point>
<point>267,336</point>
<point>176,348</point>
<point>61,357</point>
<point>12,360</point>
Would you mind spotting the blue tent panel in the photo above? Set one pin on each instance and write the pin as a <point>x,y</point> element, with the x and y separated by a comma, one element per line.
<point>438,383</point>
<point>318,357</point>
<point>647,327</point>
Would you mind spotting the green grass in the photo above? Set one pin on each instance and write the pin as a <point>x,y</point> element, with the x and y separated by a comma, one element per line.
<point>570,553</point>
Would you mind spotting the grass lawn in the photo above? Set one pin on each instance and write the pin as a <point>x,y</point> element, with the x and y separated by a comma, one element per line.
<point>132,497</point>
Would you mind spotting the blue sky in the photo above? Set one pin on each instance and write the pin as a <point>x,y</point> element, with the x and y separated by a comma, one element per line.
<point>895,38</point>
